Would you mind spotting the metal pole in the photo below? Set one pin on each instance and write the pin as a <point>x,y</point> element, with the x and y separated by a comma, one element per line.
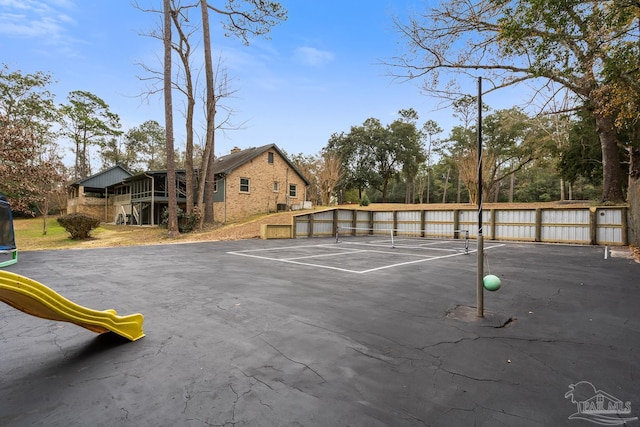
<point>480,268</point>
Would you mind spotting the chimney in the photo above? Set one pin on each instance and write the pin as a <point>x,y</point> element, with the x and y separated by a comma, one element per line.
<point>235,150</point>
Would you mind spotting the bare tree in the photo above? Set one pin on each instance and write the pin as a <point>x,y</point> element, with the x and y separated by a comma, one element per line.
<point>183,49</point>
<point>183,81</point>
<point>207,176</point>
<point>244,19</point>
<point>329,172</point>
<point>172,226</point>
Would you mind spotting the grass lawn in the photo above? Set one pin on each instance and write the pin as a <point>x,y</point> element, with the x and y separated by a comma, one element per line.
<point>29,235</point>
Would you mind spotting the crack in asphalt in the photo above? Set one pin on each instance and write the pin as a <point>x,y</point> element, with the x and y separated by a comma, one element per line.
<point>294,361</point>
<point>372,356</point>
<point>256,379</point>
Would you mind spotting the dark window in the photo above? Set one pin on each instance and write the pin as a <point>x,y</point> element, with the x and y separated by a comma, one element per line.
<point>293,190</point>
<point>244,185</point>
<point>276,186</point>
<point>270,157</point>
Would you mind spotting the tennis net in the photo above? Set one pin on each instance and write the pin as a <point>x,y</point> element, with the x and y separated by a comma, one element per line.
<point>457,241</point>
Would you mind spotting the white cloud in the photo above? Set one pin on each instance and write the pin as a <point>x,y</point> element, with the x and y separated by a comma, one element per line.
<point>312,56</point>
<point>36,19</point>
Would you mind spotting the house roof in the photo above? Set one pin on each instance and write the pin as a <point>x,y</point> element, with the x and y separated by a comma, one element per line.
<point>226,164</point>
<point>147,174</point>
<point>106,178</point>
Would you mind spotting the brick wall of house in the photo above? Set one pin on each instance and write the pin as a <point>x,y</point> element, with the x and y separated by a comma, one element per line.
<point>261,197</point>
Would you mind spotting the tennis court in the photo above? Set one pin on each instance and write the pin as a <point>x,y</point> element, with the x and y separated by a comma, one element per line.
<point>306,332</point>
<point>361,254</point>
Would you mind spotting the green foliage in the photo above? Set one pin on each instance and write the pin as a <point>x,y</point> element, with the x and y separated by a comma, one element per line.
<point>186,222</point>
<point>373,154</point>
<point>145,147</point>
<point>582,155</point>
<point>364,201</point>
<point>350,196</point>
<point>78,225</point>
<point>30,168</point>
<point>588,48</point>
<point>88,121</point>
<point>251,18</point>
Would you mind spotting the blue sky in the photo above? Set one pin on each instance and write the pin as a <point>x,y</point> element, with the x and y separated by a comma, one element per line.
<point>320,72</point>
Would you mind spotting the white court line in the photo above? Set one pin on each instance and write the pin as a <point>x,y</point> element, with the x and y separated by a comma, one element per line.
<point>323,255</point>
<point>288,261</point>
<point>331,245</point>
<point>309,264</point>
<point>401,246</point>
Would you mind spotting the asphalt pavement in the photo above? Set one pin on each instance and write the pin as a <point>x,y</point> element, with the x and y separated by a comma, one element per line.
<point>307,332</point>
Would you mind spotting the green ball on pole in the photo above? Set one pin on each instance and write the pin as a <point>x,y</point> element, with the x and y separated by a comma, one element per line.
<point>491,282</point>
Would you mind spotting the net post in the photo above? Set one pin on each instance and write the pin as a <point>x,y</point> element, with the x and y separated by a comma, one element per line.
<point>393,244</point>
<point>480,265</point>
<point>466,242</point>
<point>337,234</point>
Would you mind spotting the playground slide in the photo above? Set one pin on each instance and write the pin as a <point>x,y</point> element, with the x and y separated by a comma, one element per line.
<point>38,300</point>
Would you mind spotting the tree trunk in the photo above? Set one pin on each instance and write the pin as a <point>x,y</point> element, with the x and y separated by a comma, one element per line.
<point>45,211</point>
<point>512,184</point>
<point>446,184</point>
<point>562,190</point>
<point>428,183</point>
<point>407,192</point>
<point>571,191</point>
<point>633,196</point>
<point>384,190</point>
<point>208,193</point>
<point>611,168</point>
<point>207,158</point>
<point>172,226</point>
<point>185,52</point>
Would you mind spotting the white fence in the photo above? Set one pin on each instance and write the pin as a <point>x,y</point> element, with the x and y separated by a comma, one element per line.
<point>596,225</point>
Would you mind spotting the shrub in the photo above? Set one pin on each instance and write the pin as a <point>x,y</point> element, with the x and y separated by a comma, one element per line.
<point>364,201</point>
<point>186,222</point>
<point>78,225</point>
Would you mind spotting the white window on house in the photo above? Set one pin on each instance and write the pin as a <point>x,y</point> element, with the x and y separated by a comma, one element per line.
<point>244,185</point>
<point>270,157</point>
<point>293,190</point>
<point>276,186</point>
<point>215,186</point>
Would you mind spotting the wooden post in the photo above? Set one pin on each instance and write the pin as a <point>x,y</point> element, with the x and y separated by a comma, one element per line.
<point>593,226</point>
<point>456,222</point>
<point>492,224</point>
<point>625,230</point>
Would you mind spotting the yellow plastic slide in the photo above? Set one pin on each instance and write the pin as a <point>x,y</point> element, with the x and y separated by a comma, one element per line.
<point>38,300</point>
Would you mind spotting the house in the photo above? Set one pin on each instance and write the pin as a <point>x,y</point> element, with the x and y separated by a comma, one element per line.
<point>93,195</point>
<point>256,180</point>
<point>247,182</point>
<point>146,197</point>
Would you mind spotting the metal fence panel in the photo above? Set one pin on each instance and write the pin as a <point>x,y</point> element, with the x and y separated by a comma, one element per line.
<point>605,225</point>
<point>515,225</point>
<point>408,222</point>
<point>609,226</point>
